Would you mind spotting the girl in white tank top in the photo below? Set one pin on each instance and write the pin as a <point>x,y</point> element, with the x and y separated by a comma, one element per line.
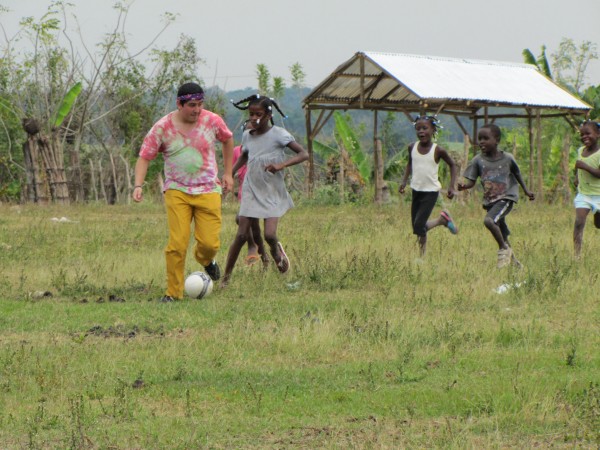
<point>423,164</point>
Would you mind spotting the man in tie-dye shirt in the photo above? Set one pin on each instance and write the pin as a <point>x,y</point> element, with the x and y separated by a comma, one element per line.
<point>187,139</point>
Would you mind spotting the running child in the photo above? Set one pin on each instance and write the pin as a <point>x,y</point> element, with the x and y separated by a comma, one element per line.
<point>264,195</point>
<point>252,257</point>
<point>423,163</point>
<point>500,177</point>
<point>587,180</point>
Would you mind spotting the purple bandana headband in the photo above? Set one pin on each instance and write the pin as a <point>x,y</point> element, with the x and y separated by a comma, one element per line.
<point>188,97</point>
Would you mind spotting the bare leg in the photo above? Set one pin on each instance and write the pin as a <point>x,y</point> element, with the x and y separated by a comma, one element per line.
<point>580,217</point>
<point>271,237</point>
<point>422,240</point>
<point>260,244</point>
<point>496,233</point>
<point>440,221</point>
<point>234,251</point>
<point>252,248</point>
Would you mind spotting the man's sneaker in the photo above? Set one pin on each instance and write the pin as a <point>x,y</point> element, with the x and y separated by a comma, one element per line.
<point>284,264</point>
<point>449,222</point>
<point>213,270</point>
<point>504,257</point>
<point>167,299</point>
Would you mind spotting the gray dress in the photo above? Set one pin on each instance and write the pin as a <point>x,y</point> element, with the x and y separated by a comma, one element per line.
<point>264,194</point>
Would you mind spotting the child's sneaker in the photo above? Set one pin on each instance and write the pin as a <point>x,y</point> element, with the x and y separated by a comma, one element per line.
<point>449,222</point>
<point>504,257</point>
<point>284,264</point>
<point>515,261</point>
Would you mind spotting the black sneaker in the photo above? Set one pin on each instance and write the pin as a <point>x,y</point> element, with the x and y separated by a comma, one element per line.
<point>167,299</point>
<point>213,270</point>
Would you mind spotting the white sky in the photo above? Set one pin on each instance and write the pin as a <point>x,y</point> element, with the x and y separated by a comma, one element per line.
<point>233,36</point>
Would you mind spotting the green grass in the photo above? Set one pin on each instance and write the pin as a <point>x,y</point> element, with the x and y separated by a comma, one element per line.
<point>361,346</point>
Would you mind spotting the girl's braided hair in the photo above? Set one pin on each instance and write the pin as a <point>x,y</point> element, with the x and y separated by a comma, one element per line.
<point>266,103</point>
<point>592,123</point>
<point>433,120</point>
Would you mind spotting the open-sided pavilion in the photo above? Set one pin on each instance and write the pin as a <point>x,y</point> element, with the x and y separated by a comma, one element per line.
<point>480,91</point>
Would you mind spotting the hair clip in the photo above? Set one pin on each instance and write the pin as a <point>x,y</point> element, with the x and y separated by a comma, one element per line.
<point>589,121</point>
<point>432,119</point>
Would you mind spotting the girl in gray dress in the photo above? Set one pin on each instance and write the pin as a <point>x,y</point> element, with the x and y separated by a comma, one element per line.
<point>264,195</point>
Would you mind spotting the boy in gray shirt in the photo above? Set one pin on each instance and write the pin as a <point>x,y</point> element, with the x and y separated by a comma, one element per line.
<point>500,177</point>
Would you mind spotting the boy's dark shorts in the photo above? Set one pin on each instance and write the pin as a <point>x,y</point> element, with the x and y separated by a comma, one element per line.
<point>497,211</point>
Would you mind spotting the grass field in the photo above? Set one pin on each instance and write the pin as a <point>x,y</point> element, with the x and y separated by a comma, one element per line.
<point>362,345</point>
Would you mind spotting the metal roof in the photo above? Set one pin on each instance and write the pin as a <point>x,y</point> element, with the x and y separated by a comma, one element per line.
<point>373,80</point>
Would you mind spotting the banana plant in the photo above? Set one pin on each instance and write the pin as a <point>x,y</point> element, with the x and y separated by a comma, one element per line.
<point>345,133</point>
<point>541,62</point>
<point>393,168</point>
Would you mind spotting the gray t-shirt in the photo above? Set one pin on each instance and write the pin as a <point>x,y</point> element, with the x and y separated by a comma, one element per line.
<point>497,177</point>
<point>264,194</point>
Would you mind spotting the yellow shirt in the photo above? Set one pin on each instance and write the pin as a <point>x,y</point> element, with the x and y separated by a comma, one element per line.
<point>588,183</point>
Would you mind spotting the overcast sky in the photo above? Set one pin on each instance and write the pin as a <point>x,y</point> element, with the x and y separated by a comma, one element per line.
<point>233,36</point>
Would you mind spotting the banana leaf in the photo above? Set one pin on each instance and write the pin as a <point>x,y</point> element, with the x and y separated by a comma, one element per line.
<point>394,167</point>
<point>67,104</point>
<point>324,151</point>
<point>542,63</point>
<point>352,146</point>
<point>528,57</point>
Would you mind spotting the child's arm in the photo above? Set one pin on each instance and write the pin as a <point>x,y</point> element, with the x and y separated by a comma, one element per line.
<point>301,156</point>
<point>407,173</point>
<point>240,162</point>
<point>579,164</point>
<point>470,174</point>
<point>464,186</point>
<point>443,154</point>
<point>517,173</point>
<point>529,194</point>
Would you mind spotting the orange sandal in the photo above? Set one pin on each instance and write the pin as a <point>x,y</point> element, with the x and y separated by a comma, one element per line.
<point>251,260</point>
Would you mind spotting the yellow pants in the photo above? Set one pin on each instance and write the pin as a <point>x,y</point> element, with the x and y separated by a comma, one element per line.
<point>205,209</point>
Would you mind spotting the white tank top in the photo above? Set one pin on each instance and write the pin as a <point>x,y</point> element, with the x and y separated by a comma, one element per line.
<point>424,170</point>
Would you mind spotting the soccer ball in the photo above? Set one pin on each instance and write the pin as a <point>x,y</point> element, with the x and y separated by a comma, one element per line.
<point>198,285</point>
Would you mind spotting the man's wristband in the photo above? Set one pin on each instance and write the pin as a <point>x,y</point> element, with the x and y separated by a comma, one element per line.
<point>138,186</point>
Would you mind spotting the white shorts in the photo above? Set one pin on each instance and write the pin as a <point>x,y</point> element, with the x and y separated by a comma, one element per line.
<point>587,202</point>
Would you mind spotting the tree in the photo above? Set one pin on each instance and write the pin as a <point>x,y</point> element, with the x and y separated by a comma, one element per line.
<point>264,79</point>
<point>570,63</point>
<point>119,97</point>
<point>298,75</point>
<point>278,88</point>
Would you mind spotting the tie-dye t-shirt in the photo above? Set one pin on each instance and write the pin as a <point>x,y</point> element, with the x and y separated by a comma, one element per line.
<point>190,161</point>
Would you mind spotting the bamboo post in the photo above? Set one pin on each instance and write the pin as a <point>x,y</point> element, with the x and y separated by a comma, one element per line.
<point>102,188</point>
<point>342,174</point>
<point>93,187</point>
<point>531,151</point>
<point>565,168</point>
<point>378,153</point>
<point>128,178</point>
<point>115,186</point>
<point>540,165</point>
<point>377,163</point>
<point>311,159</point>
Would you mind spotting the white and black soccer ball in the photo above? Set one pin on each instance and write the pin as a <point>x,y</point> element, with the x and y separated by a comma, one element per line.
<point>198,285</point>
